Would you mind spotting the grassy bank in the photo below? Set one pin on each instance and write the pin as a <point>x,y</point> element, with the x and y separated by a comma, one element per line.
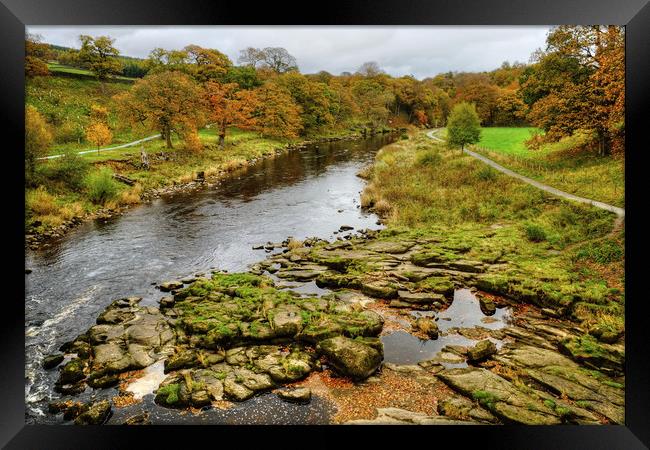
<point>572,164</point>
<point>75,186</point>
<point>557,253</point>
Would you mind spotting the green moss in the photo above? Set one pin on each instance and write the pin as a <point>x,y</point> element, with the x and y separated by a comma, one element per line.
<point>169,394</point>
<point>550,403</point>
<point>614,384</point>
<point>485,398</point>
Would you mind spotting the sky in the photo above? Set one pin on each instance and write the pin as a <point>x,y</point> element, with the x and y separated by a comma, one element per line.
<point>421,51</point>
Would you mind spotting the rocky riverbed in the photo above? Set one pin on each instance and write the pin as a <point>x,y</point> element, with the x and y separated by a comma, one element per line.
<point>342,325</point>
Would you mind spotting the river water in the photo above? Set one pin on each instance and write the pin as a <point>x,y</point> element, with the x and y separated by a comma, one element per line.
<point>302,193</point>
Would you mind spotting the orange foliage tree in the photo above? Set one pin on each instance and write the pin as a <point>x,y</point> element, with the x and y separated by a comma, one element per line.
<point>166,101</point>
<point>99,134</point>
<point>36,55</point>
<point>277,114</point>
<point>230,107</point>
<point>578,83</point>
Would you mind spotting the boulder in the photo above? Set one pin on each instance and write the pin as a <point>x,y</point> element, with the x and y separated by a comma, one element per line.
<point>170,285</point>
<point>97,414</point>
<point>296,395</point>
<point>351,358</point>
<point>487,306</point>
<point>72,372</point>
<point>286,320</point>
<point>481,351</point>
<point>428,326</point>
<point>236,391</point>
<point>51,361</point>
<point>138,419</point>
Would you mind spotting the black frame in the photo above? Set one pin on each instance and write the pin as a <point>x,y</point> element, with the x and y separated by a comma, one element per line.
<point>15,14</point>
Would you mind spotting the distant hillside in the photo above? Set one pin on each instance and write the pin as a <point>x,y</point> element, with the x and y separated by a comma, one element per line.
<point>60,48</point>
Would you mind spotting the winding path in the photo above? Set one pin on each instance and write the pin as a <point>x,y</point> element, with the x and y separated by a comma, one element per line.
<point>620,212</point>
<point>128,144</point>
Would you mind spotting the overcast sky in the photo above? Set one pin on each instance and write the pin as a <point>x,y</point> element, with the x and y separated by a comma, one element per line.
<point>404,50</point>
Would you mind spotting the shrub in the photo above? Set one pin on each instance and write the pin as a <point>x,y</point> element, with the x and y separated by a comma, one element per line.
<point>428,158</point>
<point>486,173</point>
<point>41,202</point>
<point>534,232</point>
<point>69,132</point>
<point>101,186</point>
<point>70,169</point>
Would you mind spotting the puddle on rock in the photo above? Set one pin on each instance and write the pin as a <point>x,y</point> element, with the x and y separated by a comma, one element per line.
<point>401,347</point>
<point>148,383</point>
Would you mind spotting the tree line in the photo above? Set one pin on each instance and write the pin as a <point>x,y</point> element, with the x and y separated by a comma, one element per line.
<point>575,83</point>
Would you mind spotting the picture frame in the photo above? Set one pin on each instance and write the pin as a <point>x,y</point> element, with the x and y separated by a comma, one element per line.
<point>634,14</point>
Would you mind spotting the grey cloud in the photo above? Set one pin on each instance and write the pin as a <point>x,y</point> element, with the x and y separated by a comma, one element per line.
<point>404,50</point>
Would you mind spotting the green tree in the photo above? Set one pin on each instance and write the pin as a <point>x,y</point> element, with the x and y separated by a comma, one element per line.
<point>99,56</point>
<point>463,126</point>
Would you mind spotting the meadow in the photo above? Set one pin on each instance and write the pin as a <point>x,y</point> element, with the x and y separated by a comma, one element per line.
<point>572,164</point>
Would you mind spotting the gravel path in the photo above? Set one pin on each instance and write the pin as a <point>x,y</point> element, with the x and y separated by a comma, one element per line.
<point>615,209</point>
<point>128,144</point>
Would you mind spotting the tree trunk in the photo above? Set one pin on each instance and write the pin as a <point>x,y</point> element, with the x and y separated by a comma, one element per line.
<point>168,137</point>
<point>222,136</point>
<point>603,147</point>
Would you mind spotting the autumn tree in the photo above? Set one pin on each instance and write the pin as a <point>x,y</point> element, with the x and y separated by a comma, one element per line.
<point>38,138</point>
<point>167,101</point>
<point>313,98</point>
<point>578,83</point>
<point>277,114</point>
<point>206,63</point>
<point>463,126</point>
<point>36,55</point>
<point>343,106</point>
<point>98,134</point>
<point>484,96</point>
<point>230,106</point>
<point>373,101</point>
<point>99,56</point>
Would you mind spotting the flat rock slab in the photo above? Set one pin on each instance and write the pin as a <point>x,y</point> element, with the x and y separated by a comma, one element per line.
<point>499,396</point>
<point>389,247</point>
<point>300,275</point>
<point>562,376</point>
<point>398,416</point>
<point>420,297</point>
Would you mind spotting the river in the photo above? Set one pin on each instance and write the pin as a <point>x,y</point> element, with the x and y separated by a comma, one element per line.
<point>301,193</point>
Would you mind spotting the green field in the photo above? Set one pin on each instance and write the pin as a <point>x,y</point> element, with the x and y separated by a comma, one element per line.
<point>60,68</point>
<point>571,164</point>
<point>509,141</point>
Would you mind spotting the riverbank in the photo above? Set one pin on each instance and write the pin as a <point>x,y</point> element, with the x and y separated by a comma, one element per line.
<point>170,172</point>
<point>440,318</point>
